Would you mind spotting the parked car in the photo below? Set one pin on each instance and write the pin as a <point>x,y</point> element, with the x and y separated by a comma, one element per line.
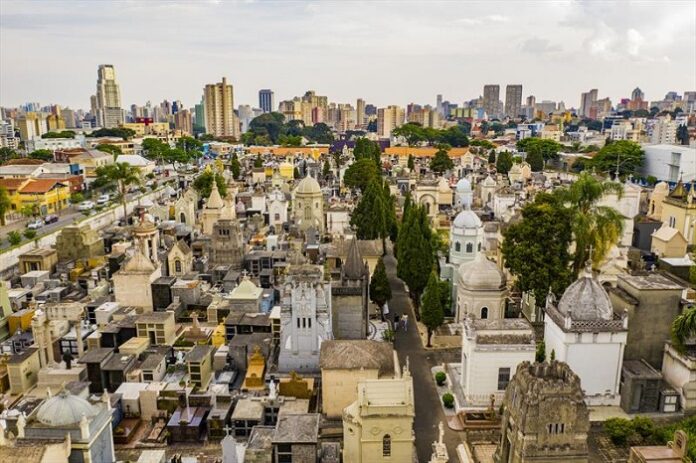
<point>35,224</point>
<point>103,199</point>
<point>86,206</point>
<point>50,218</point>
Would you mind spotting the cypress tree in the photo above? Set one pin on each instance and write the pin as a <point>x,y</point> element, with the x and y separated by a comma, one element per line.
<point>380,291</point>
<point>368,218</point>
<point>432,314</point>
<point>415,258</point>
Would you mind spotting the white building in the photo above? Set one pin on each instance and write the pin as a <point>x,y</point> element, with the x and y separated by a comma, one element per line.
<point>663,131</point>
<point>277,208</point>
<point>491,351</point>
<point>308,205</point>
<point>53,144</point>
<point>584,332</point>
<point>669,162</point>
<point>481,290</point>
<point>628,206</point>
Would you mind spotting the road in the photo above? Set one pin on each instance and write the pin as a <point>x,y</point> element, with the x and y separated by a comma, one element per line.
<point>429,413</point>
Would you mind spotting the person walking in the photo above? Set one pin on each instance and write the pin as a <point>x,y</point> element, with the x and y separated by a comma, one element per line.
<point>405,322</point>
<point>397,322</point>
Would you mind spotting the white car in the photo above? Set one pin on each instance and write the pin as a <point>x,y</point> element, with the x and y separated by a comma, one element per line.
<point>35,224</point>
<point>103,199</point>
<point>86,206</point>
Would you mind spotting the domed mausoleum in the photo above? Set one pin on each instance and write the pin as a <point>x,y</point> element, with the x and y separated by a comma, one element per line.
<point>481,290</point>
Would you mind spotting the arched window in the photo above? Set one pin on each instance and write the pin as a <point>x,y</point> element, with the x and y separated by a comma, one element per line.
<point>457,246</point>
<point>177,266</point>
<point>469,248</point>
<point>386,445</point>
<point>427,208</point>
<point>182,217</point>
<point>489,197</point>
<point>484,313</point>
<point>479,246</point>
<point>308,213</point>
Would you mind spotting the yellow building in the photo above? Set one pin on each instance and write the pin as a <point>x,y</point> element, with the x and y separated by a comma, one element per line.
<point>286,170</point>
<point>254,379</point>
<point>142,129</point>
<point>314,151</point>
<point>55,123</point>
<point>422,151</point>
<point>679,211</point>
<point>23,370</point>
<point>90,160</point>
<point>44,196</point>
<point>218,337</point>
<point>126,146</point>
<point>200,366</point>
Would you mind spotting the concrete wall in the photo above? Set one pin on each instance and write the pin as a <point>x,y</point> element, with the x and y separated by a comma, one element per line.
<point>340,389</point>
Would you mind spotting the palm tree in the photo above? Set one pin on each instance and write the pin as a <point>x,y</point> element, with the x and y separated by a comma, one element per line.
<point>595,228</point>
<point>683,328</point>
<point>121,174</point>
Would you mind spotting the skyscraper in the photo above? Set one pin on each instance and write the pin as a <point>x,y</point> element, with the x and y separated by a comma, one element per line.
<point>513,100</point>
<point>266,100</point>
<point>637,94</point>
<point>388,119</point>
<point>108,99</point>
<point>587,101</point>
<point>491,97</point>
<point>220,119</point>
<point>360,113</point>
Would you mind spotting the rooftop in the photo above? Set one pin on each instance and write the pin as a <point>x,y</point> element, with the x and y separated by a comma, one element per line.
<point>652,281</point>
<point>302,428</point>
<point>357,354</point>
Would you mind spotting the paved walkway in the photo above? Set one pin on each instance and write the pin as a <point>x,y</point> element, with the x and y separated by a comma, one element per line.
<point>407,344</point>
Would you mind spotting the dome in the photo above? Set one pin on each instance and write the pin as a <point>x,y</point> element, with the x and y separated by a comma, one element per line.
<point>145,226</point>
<point>481,274</point>
<point>467,219</point>
<point>308,186</point>
<point>463,185</point>
<point>64,409</point>
<point>586,299</point>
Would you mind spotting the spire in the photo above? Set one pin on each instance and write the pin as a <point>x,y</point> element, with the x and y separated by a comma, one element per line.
<point>354,268</point>
<point>214,200</point>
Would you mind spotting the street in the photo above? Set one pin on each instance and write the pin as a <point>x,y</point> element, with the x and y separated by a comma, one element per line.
<point>429,412</point>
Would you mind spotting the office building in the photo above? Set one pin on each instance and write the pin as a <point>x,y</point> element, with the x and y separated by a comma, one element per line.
<point>491,97</point>
<point>588,100</point>
<point>388,119</point>
<point>513,100</point>
<point>266,100</point>
<point>108,98</point>
<point>360,116</point>
<point>183,121</point>
<point>218,100</point>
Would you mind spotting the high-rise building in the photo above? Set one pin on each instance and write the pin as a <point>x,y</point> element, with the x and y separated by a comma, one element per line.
<point>220,119</point>
<point>438,105</point>
<point>199,116</point>
<point>637,94</point>
<point>491,97</point>
<point>360,116</point>
<point>266,100</point>
<point>513,100</point>
<point>108,99</point>
<point>183,121</point>
<point>587,101</point>
<point>388,119</point>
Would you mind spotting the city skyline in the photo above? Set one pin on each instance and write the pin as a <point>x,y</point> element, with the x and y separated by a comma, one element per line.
<point>570,39</point>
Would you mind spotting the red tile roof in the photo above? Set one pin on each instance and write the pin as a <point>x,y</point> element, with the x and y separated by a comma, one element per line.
<point>12,184</point>
<point>39,186</point>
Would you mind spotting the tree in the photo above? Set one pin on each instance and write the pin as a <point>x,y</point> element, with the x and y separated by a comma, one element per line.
<point>593,226</point>
<point>296,173</point>
<point>540,355</point>
<point>154,148</point>
<point>44,155</point>
<point>414,251</point>
<point>111,149</point>
<point>369,149</point>
<point>380,291</point>
<point>269,125</point>
<point>536,161</point>
<point>7,153</point>
<point>235,166</point>
<point>319,133</point>
<point>503,162</point>
<point>114,132</point>
<point>61,134</point>
<point>359,174</point>
<point>432,314</point>
<point>392,225</point>
<point>326,168</point>
<point>258,162</point>
<point>5,204</point>
<point>628,155</point>
<point>411,163</point>
<point>369,216</point>
<point>190,145</point>
<point>491,157</point>
<point>548,149</point>
<point>445,295</point>
<point>536,249</point>
<point>14,238</point>
<point>441,162</point>
<point>120,174</point>
<point>29,234</point>
<point>290,140</point>
<point>77,197</point>
<point>204,183</point>
<point>683,328</point>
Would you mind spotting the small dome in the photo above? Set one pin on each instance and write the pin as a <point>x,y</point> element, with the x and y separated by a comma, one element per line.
<point>308,185</point>
<point>463,185</point>
<point>481,274</point>
<point>467,219</point>
<point>64,409</point>
<point>145,226</point>
<point>586,299</point>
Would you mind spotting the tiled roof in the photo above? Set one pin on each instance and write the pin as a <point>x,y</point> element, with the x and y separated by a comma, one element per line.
<point>12,184</point>
<point>41,185</point>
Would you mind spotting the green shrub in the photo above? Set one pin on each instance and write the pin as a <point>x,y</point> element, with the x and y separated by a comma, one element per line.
<point>448,400</point>
<point>30,234</point>
<point>14,238</point>
<point>77,198</point>
<point>440,378</point>
<point>618,429</point>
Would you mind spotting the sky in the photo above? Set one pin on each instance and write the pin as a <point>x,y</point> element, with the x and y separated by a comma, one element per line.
<point>386,52</point>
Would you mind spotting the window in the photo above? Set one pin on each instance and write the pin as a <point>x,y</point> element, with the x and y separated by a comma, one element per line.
<point>555,428</point>
<point>457,246</point>
<point>469,248</point>
<point>386,445</point>
<point>503,378</point>
<point>479,246</point>
<point>182,218</point>
<point>177,266</point>
<point>298,322</point>
<point>308,213</point>
<point>672,221</point>
<point>484,313</point>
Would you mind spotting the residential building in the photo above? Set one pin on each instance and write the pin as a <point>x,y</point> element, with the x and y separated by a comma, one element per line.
<point>669,162</point>
<point>663,131</point>
<point>545,418</point>
<point>183,121</point>
<point>587,102</point>
<point>513,101</point>
<point>491,99</point>
<point>220,119</point>
<point>266,100</point>
<point>360,113</point>
<point>108,98</point>
<point>42,195</point>
<point>388,119</point>
<point>32,125</point>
